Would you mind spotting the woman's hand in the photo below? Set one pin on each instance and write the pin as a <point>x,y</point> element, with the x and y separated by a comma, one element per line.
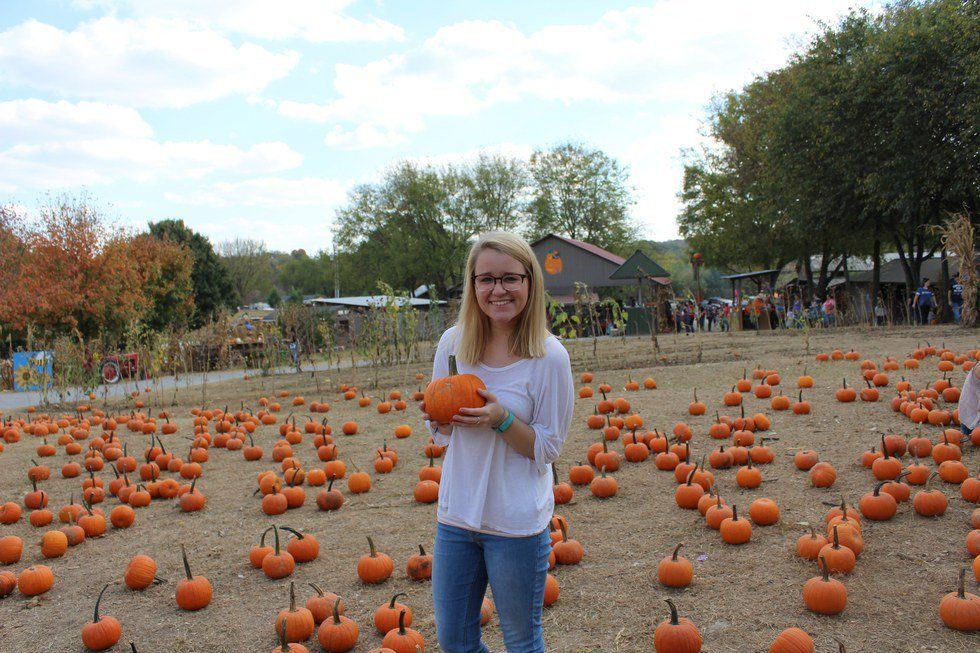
<point>445,429</point>
<point>489,415</point>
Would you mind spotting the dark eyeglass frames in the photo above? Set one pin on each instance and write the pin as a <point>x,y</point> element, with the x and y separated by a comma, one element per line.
<point>509,282</point>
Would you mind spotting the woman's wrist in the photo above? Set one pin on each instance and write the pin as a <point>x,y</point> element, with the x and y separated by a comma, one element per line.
<point>505,423</point>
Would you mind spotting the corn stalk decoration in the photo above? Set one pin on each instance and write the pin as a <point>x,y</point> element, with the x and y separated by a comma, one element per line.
<point>959,237</point>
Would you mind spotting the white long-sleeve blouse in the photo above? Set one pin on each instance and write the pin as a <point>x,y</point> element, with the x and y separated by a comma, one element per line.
<point>486,485</point>
<point>969,404</point>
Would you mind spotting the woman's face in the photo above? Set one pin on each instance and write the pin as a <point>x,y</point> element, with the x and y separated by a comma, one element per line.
<point>503,305</point>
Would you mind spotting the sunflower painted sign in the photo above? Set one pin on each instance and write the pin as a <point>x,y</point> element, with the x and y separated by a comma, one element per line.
<point>33,370</point>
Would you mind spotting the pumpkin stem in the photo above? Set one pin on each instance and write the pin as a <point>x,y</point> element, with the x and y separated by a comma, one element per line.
<point>95,618</point>
<point>336,613</point>
<point>374,551</point>
<point>836,541</point>
<point>690,475</point>
<point>824,569</point>
<point>673,612</point>
<point>401,622</point>
<point>421,550</point>
<point>564,531</point>
<point>275,533</point>
<point>296,533</point>
<point>453,370</point>
<point>960,590</point>
<point>283,645</point>
<point>734,512</point>
<point>391,604</point>
<point>677,548</point>
<point>187,567</point>
<point>316,588</point>
<point>840,646</point>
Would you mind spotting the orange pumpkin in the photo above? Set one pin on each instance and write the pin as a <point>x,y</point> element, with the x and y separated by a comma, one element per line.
<point>445,396</point>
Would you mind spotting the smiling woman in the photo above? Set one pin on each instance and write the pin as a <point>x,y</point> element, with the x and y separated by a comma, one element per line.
<point>495,495</point>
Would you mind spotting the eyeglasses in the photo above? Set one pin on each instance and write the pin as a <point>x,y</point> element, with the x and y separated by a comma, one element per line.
<point>509,282</point>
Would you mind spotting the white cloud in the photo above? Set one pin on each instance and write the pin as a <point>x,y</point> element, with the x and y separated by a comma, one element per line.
<point>361,137</point>
<point>311,20</point>
<point>148,62</point>
<point>657,173</point>
<point>671,51</point>
<point>36,121</point>
<point>267,192</point>
<point>507,149</point>
<point>311,233</point>
<point>672,55</point>
<point>62,145</point>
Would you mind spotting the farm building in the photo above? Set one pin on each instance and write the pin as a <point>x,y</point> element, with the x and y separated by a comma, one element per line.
<point>567,262</point>
<point>350,312</point>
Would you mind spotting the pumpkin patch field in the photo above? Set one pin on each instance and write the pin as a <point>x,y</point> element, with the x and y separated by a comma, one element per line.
<point>730,492</point>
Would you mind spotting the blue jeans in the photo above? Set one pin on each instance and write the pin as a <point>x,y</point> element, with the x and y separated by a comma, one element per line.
<point>516,568</point>
<point>964,429</point>
<point>957,311</point>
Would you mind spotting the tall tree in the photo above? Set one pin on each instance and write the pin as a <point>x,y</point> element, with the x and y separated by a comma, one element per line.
<point>164,268</point>
<point>500,189</point>
<point>249,267</point>
<point>583,194</point>
<point>924,76</point>
<point>410,229</point>
<point>213,289</point>
<point>78,273</point>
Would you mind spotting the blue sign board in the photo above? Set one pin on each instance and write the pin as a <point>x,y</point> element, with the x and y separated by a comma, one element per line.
<point>33,370</point>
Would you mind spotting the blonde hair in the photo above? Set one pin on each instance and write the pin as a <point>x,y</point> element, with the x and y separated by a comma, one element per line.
<point>527,339</point>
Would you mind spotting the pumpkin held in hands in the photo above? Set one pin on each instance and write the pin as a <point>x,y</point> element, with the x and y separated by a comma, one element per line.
<point>444,397</point>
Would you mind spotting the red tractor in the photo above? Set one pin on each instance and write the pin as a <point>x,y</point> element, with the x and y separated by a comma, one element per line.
<point>116,367</point>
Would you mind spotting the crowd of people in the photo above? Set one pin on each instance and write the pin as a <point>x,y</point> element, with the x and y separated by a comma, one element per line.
<point>772,313</point>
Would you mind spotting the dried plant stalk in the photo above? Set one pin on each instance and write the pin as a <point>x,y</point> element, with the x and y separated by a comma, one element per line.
<point>958,237</point>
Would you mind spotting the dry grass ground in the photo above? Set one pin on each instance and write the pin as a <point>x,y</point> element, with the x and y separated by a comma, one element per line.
<point>740,598</point>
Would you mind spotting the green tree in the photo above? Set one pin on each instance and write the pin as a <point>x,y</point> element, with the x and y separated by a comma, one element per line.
<point>313,275</point>
<point>499,187</point>
<point>249,267</point>
<point>213,289</point>
<point>924,77</point>
<point>274,299</point>
<point>410,229</point>
<point>583,194</point>
<point>869,134</point>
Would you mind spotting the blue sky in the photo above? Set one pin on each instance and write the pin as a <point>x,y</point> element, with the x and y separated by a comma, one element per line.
<point>251,118</point>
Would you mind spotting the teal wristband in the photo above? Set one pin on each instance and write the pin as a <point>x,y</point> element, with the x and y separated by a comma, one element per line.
<point>504,425</point>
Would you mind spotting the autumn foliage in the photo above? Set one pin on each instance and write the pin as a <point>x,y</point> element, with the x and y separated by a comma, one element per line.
<point>66,268</point>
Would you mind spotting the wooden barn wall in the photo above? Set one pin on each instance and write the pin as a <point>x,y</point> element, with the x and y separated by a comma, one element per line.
<point>576,265</point>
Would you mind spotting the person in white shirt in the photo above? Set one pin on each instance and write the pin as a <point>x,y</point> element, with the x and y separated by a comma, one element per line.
<point>495,495</point>
<point>969,404</point>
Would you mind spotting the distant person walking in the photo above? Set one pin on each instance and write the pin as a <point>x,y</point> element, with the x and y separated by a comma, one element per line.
<point>956,297</point>
<point>830,311</point>
<point>923,302</point>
